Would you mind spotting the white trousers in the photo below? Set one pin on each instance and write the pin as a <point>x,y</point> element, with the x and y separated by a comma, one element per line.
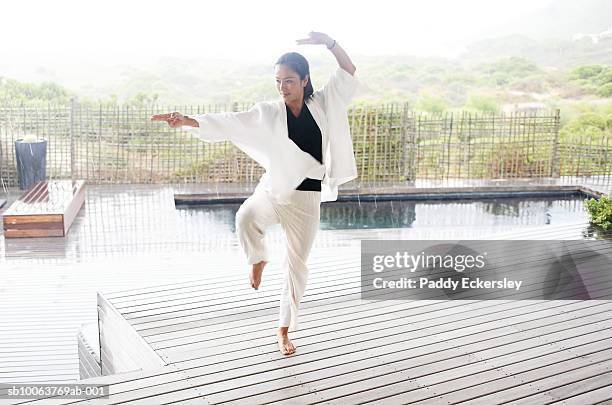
<point>298,214</point>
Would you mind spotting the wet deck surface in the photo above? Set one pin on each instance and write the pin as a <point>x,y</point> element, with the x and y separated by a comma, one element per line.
<point>217,341</point>
<point>50,284</point>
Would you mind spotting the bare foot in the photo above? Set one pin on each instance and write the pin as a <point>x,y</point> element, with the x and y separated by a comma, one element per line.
<point>285,345</point>
<point>255,275</point>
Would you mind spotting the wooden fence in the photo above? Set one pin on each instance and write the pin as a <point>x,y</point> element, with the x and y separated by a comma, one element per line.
<point>113,144</point>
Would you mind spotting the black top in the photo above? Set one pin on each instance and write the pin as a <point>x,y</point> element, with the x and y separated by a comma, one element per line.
<point>304,131</point>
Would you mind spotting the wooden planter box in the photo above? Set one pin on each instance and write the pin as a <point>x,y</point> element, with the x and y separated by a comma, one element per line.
<point>48,208</point>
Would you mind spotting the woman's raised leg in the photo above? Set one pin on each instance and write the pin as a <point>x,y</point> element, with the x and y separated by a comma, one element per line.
<point>253,217</point>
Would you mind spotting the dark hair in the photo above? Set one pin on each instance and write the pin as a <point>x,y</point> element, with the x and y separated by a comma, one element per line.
<point>298,64</point>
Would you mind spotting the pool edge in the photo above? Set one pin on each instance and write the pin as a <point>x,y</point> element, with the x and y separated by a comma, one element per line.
<point>413,193</point>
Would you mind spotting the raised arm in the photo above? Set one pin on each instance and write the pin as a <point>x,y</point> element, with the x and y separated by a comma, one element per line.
<point>248,130</point>
<point>233,126</point>
<point>339,53</point>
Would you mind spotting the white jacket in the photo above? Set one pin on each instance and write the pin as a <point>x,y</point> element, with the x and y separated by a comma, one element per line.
<point>261,133</point>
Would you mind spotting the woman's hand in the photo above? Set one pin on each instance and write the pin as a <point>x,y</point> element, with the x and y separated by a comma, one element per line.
<point>316,38</point>
<point>320,38</point>
<point>174,119</point>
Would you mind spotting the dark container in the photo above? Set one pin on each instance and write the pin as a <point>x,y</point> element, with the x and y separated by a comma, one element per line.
<point>31,162</point>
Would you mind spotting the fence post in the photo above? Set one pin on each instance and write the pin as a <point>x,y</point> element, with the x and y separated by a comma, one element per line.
<point>554,166</point>
<point>404,143</point>
<point>448,144</point>
<point>413,126</point>
<point>72,109</point>
<point>98,161</point>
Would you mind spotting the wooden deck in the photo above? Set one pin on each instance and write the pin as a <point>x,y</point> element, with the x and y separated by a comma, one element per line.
<point>216,336</point>
<point>354,351</point>
<point>218,343</point>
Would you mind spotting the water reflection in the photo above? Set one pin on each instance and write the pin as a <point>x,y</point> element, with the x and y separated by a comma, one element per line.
<point>414,214</point>
<point>363,215</point>
<point>595,232</point>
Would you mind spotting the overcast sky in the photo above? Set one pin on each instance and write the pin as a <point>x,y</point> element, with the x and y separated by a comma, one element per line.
<point>119,31</point>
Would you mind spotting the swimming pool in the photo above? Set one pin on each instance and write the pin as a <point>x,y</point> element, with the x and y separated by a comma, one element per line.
<point>493,212</point>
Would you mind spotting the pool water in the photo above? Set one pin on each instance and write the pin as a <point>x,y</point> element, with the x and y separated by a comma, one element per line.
<point>415,214</point>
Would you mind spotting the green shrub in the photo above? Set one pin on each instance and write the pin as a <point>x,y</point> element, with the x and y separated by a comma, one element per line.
<point>431,104</point>
<point>573,130</point>
<point>485,104</point>
<point>513,67</point>
<point>605,90</point>
<point>591,119</point>
<point>590,88</point>
<point>605,77</point>
<point>600,211</point>
<point>23,92</point>
<point>586,72</point>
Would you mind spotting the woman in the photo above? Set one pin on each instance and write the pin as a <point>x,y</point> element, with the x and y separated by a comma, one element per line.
<point>304,144</point>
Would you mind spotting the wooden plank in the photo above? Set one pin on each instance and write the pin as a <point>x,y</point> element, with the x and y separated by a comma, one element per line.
<point>66,367</point>
<point>37,193</point>
<point>592,375</point>
<point>42,351</point>
<point>48,225</point>
<point>11,233</point>
<point>597,396</point>
<point>30,219</point>
<point>61,373</point>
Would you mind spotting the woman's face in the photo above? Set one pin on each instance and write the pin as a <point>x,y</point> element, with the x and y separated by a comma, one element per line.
<point>288,84</point>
